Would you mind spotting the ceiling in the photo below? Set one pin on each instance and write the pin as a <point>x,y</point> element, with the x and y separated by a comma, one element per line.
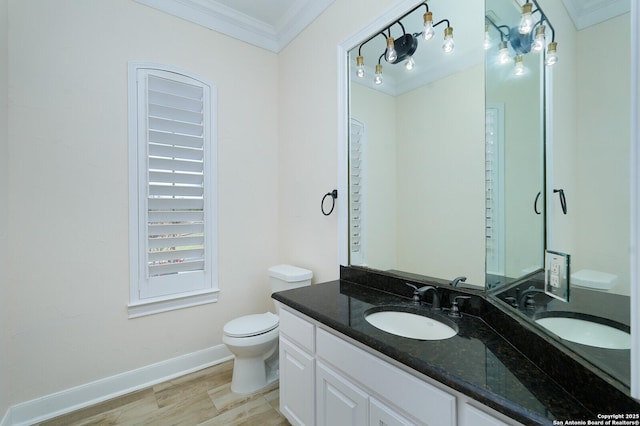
<point>272,24</point>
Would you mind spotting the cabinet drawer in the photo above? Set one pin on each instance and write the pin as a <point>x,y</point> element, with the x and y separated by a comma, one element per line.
<point>415,397</point>
<point>298,330</point>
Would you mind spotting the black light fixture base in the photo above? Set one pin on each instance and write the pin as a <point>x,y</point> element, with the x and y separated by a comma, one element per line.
<point>405,47</point>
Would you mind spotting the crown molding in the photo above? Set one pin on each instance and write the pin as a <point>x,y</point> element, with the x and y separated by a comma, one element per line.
<point>234,23</point>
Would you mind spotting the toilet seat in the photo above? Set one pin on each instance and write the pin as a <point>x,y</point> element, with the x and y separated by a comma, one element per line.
<point>251,325</point>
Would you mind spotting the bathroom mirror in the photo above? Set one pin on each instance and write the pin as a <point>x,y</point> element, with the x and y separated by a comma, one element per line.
<point>588,177</point>
<point>514,155</point>
<point>416,168</point>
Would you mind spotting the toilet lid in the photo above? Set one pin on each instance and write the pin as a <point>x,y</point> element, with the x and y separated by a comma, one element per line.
<point>251,325</point>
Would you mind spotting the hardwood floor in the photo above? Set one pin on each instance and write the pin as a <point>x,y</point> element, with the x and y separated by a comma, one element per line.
<point>201,398</point>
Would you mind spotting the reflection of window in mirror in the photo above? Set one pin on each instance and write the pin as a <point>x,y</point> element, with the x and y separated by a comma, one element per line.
<point>356,191</point>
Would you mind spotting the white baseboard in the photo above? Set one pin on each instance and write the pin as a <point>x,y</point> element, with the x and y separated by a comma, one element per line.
<point>68,400</point>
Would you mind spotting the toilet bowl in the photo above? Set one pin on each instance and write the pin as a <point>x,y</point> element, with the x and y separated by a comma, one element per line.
<point>253,339</point>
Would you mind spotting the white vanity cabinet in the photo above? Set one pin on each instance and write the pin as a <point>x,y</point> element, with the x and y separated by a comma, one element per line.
<point>326,380</point>
<point>338,399</point>
<point>297,369</point>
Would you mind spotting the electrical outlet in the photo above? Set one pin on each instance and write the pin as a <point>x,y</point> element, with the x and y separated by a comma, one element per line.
<point>557,275</point>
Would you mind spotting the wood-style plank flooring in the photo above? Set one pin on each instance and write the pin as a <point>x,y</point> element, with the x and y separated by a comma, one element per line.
<point>201,398</point>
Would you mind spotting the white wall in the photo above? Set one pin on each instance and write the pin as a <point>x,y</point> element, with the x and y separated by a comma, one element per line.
<point>523,228</point>
<point>601,202</point>
<point>377,111</point>
<point>4,165</point>
<point>591,144</point>
<point>67,202</point>
<point>441,175</point>
<point>308,84</point>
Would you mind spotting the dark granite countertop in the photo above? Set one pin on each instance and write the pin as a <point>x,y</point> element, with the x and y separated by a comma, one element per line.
<point>607,308</point>
<point>478,361</point>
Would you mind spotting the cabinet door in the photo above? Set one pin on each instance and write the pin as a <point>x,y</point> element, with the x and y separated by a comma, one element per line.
<point>382,415</point>
<point>475,417</point>
<point>338,401</point>
<point>296,384</point>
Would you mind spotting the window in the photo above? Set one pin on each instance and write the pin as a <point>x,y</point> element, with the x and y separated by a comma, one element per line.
<point>172,190</point>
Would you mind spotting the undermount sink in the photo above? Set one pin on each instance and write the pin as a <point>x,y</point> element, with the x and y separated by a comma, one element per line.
<point>587,330</point>
<point>410,325</point>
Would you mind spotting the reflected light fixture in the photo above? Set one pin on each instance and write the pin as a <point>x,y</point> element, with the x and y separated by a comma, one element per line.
<point>519,66</point>
<point>487,37</point>
<point>526,19</point>
<point>402,48</point>
<point>377,78</point>
<point>552,55</point>
<point>520,40</point>
<point>538,41</point>
<point>503,53</point>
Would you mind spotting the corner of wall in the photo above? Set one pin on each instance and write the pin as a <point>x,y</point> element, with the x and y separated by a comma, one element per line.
<point>4,83</point>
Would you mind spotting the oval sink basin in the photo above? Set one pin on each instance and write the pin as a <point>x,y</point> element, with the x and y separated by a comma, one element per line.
<point>582,330</point>
<point>412,326</point>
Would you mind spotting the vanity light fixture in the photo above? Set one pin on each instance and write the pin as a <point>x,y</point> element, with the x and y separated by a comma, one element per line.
<point>520,38</point>
<point>428,31</point>
<point>391,55</point>
<point>447,46</point>
<point>401,49</point>
<point>360,65</point>
<point>410,63</point>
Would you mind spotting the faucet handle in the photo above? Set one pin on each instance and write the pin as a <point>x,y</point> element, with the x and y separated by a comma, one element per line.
<point>512,301</point>
<point>416,293</point>
<point>455,309</point>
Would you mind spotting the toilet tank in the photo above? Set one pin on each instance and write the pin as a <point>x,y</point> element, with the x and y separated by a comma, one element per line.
<point>285,277</point>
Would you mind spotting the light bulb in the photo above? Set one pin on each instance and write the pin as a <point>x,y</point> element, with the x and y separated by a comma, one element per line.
<point>448,44</point>
<point>538,41</point>
<point>360,64</point>
<point>526,19</point>
<point>391,54</point>
<point>503,53</point>
<point>410,63</point>
<point>519,67</point>
<point>428,32</point>
<point>552,54</point>
<point>377,79</point>
<point>487,38</point>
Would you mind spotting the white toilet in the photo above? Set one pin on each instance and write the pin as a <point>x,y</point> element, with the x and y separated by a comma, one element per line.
<point>253,339</point>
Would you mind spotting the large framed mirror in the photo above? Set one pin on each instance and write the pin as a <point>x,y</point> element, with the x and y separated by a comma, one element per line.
<point>416,178</point>
<point>418,158</point>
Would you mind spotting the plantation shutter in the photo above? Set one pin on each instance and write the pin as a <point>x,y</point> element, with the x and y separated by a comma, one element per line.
<point>174,212</point>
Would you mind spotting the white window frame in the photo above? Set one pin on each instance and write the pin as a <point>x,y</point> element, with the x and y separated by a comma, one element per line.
<point>155,294</point>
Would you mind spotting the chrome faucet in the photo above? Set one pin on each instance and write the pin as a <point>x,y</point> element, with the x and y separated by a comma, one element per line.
<point>418,295</point>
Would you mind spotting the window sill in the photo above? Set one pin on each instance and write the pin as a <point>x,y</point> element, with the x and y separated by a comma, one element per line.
<point>159,305</point>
